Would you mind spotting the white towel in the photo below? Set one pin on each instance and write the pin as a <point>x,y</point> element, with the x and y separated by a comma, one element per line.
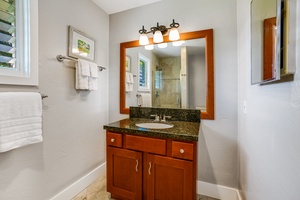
<point>20,119</point>
<point>93,83</point>
<point>84,67</point>
<point>93,79</point>
<point>129,82</point>
<point>129,77</point>
<point>82,74</point>
<point>93,69</point>
<point>144,100</point>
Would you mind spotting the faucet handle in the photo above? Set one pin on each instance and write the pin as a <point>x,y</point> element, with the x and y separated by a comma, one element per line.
<point>164,118</point>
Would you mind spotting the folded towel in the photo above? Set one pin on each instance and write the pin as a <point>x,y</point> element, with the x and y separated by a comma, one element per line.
<point>128,87</point>
<point>144,100</point>
<point>20,119</point>
<point>84,67</point>
<point>82,74</point>
<point>129,82</point>
<point>93,79</point>
<point>93,69</point>
<point>93,83</point>
<point>129,77</point>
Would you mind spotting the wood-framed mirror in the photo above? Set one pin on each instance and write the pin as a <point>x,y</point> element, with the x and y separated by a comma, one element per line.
<point>207,110</point>
<point>266,33</point>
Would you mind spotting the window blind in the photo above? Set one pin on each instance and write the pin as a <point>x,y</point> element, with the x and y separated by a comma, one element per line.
<point>7,33</point>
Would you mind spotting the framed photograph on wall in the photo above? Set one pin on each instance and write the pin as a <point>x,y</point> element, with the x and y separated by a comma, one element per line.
<point>81,45</point>
<point>128,63</point>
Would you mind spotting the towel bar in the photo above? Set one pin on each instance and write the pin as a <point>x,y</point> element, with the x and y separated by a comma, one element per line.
<point>61,58</point>
<point>43,96</point>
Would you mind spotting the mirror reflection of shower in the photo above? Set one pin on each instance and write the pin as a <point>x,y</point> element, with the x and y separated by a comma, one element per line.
<point>166,93</point>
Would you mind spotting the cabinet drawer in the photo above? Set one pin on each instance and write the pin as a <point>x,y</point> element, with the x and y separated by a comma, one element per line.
<point>114,139</point>
<point>145,144</point>
<point>183,150</point>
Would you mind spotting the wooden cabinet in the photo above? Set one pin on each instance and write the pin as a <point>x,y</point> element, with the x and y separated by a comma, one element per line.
<point>169,178</point>
<point>124,173</point>
<point>147,168</point>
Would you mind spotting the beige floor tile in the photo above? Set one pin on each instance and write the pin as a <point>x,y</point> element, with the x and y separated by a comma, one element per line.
<point>97,191</point>
<point>81,196</point>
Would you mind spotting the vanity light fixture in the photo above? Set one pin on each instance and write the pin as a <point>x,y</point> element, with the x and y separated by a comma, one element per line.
<point>158,32</point>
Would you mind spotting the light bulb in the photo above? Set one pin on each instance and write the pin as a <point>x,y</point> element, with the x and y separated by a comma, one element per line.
<point>174,34</point>
<point>178,43</point>
<point>157,38</point>
<point>143,39</point>
<point>149,47</point>
<point>162,45</point>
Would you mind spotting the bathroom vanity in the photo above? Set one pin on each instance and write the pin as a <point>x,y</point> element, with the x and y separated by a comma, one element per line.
<point>153,163</point>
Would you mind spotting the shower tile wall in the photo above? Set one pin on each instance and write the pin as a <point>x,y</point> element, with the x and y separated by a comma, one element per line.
<point>168,95</point>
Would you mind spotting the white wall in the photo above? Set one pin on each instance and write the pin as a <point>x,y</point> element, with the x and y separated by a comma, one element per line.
<point>218,138</point>
<point>74,140</point>
<point>269,132</point>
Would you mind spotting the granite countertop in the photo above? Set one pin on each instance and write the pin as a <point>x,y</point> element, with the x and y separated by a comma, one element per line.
<point>182,130</point>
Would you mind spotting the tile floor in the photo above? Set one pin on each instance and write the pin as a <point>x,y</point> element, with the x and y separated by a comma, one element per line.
<point>97,191</point>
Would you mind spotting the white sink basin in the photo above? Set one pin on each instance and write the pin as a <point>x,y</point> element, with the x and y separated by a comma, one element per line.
<point>154,125</point>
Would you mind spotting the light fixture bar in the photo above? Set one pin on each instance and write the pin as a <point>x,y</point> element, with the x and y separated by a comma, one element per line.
<point>159,31</point>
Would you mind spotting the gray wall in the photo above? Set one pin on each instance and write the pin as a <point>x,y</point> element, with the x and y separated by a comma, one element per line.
<point>197,82</point>
<point>74,141</point>
<point>269,132</point>
<point>218,138</point>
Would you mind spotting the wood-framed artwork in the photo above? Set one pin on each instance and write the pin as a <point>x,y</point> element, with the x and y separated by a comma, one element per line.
<point>81,45</point>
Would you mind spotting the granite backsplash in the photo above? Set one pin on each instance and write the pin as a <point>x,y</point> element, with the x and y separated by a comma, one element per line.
<point>187,115</point>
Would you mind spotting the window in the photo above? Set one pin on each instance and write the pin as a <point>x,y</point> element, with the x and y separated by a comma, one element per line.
<point>158,79</point>
<point>19,42</point>
<point>144,73</point>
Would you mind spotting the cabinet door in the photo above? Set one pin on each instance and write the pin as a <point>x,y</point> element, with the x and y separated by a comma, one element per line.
<point>124,173</point>
<point>168,178</point>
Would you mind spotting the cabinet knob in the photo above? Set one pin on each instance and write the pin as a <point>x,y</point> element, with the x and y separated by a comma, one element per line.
<point>112,140</point>
<point>181,150</point>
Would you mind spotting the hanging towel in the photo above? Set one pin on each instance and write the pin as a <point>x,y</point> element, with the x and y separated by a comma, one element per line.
<point>129,82</point>
<point>93,69</point>
<point>82,74</point>
<point>20,119</point>
<point>93,79</point>
<point>144,100</point>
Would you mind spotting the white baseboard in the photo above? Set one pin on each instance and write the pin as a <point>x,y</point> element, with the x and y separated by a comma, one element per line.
<point>71,191</point>
<point>204,188</point>
<point>218,191</point>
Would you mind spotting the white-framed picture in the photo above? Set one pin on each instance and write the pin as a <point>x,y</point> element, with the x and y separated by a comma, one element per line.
<point>81,45</point>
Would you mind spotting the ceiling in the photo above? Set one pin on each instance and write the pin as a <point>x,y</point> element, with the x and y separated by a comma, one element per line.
<point>114,6</point>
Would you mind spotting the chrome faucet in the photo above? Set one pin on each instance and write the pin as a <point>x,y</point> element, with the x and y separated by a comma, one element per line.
<point>162,118</point>
<point>157,118</point>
